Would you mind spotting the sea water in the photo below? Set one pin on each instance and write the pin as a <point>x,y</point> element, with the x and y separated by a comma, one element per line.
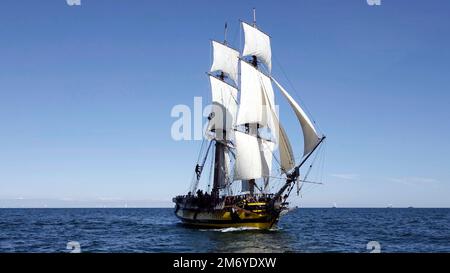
<point>158,230</point>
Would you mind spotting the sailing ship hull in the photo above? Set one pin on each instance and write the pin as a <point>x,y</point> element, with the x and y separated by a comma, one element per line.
<point>224,218</point>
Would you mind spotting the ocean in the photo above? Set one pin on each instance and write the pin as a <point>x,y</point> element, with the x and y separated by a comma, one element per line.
<point>158,230</point>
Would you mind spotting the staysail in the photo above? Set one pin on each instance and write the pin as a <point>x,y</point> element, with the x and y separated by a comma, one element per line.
<point>287,160</point>
<point>266,149</point>
<point>310,136</point>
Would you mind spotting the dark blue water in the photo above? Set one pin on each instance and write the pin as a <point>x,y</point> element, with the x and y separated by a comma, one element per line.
<point>157,230</point>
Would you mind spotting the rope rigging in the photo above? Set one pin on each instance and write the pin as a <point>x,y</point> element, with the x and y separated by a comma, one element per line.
<point>211,172</point>
<point>291,186</point>
<point>291,85</point>
<point>270,115</point>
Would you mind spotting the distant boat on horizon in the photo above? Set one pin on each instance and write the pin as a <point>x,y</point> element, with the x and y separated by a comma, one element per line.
<point>334,205</point>
<point>389,206</point>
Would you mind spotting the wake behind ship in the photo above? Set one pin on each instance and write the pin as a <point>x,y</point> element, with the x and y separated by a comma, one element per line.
<point>245,144</point>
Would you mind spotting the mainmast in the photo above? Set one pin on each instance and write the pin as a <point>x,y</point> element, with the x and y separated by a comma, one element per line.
<point>254,57</point>
<point>253,154</point>
<point>249,185</point>
<point>257,109</point>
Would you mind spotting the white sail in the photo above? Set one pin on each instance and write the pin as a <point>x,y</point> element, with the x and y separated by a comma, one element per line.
<point>266,150</point>
<point>257,43</point>
<point>226,167</point>
<point>287,160</point>
<point>268,102</point>
<point>311,138</point>
<point>248,158</point>
<point>224,97</point>
<point>254,87</point>
<point>225,59</point>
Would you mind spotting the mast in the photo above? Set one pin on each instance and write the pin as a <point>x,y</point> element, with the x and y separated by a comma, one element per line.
<point>219,157</point>
<point>254,110</point>
<point>253,156</point>
<point>219,168</point>
<point>225,34</point>
<point>249,185</point>
<point>225,65</point>
<point>254,58</point>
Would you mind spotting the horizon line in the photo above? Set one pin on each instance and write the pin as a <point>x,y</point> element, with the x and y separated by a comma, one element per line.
<point>111,207</point>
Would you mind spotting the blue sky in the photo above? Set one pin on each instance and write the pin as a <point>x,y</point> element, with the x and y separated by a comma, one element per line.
<point>86,94</point>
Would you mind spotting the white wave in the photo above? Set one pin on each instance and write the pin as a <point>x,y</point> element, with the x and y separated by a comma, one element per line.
<point>275,228</point>
<point>231,229</point>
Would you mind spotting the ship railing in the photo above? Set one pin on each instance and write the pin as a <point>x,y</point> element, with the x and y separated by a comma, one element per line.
<point>206,200</point>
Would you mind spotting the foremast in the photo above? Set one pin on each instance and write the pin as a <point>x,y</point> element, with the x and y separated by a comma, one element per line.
<point>220,164</point>
<point>223,78</point>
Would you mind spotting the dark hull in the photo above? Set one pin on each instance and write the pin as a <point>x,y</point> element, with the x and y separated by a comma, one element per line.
<point>227,217</point>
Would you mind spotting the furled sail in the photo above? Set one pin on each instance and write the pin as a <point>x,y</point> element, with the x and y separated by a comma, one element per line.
<point>311,138</point>
<point>224,97</point>
<point>225,59</point>
<point>248,158</point>
<point>257,43</point>
<point>253,105</point>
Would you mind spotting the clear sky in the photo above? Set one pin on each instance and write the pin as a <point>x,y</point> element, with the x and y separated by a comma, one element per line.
<point>86,94</point>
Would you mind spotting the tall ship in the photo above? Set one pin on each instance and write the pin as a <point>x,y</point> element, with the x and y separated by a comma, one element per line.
<point>245,148</point>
